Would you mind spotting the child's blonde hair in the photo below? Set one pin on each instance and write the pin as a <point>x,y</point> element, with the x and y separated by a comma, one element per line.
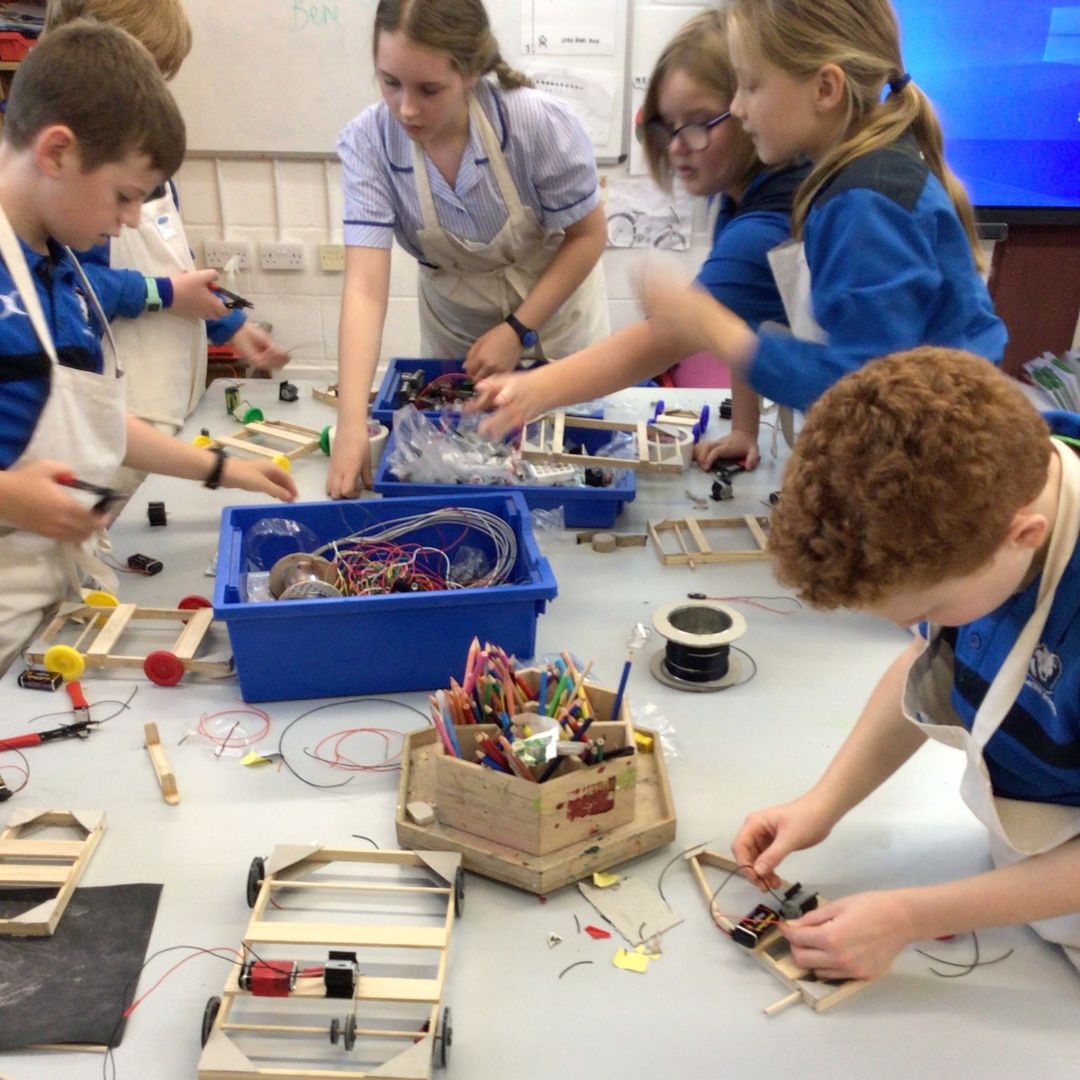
<point>907,472</point>
<point>862,38</point>
<point>459,28</point>
<point>101,83</point>
<point>700,48</point>
<point>161,25</point>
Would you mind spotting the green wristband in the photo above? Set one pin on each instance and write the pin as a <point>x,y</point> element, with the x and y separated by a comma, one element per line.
<point>153,297</point>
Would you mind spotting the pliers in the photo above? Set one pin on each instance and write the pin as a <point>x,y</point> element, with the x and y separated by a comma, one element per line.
<point>79,729</point>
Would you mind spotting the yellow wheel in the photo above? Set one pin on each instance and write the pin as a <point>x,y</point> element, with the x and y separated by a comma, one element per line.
<point>99,598</point>
<point>282,462</point>
<point>65,661</point>
<point>202,441</point>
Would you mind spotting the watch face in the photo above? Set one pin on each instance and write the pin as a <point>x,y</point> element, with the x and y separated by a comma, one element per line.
<point>529,338</point>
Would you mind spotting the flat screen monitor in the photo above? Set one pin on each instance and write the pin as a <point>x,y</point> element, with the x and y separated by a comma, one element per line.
<point>1004,77</point>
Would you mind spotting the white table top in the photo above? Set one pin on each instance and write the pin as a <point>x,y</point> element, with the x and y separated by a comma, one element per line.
<point>697,1012</point>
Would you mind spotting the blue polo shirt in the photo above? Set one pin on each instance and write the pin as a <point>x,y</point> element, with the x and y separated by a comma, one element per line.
<point>25,368</point>
<point>1035,754</point>
<point>737,271</point>
<point>890,269</point>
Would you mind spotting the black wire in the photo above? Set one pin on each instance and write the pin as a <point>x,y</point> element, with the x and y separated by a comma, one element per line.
<point>576,963</point>
<point>25,768</point>
<point>108,1064</point>
<point>968,968</point>
<point>124,706</point>
<point>671,862</point>
<point>333,705</point>
<point>368,839</point>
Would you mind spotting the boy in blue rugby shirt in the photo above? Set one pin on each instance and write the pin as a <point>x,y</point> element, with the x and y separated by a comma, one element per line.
<point>91,129</point>
<point>150,268</point>
<point>926,489</point>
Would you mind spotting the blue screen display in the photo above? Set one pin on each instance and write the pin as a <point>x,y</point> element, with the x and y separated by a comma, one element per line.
<point>1004,78</point>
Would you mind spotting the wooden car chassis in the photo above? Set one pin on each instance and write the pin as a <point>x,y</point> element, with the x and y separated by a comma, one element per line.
<point>657,450</point>
<point>111,622</point>
<point>287,873</point>
<point>29,863</point>
<point>772,950</point>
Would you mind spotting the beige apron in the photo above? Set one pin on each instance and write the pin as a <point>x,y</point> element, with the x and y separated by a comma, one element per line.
<point>163,354</point>
<point>792,275</point>
<point>477,285</point>
<point>1017,828</point>
<point>82,424</point>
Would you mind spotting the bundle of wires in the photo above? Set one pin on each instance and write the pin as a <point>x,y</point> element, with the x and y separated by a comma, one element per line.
<point>371,562</point>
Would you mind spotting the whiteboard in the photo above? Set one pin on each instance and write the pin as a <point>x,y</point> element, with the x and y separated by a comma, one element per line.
<point>282,77</point>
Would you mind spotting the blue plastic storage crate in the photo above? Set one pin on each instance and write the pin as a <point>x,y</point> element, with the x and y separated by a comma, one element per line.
<point>385,404</point>
<point>583,507</point>
<point>329,647</point>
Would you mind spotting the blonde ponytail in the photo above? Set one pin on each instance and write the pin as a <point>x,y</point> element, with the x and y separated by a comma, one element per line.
<point>509,78</point>
<point>862,38</point>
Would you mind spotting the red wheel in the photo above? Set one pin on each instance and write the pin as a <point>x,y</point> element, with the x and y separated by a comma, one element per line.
<point>163,668</point>
<point>193,603</point>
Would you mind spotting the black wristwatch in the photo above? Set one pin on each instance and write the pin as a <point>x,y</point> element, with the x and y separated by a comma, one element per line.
<point>526,336</point>
<point>213,481</point>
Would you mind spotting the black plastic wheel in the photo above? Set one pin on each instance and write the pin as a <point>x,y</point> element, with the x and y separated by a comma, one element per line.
<point>335,1031</point>
<point>459,891</point>
<point>350,1032</point>
<point>444,1037</point>
<point>209,1016</point>
<point>255,878</point>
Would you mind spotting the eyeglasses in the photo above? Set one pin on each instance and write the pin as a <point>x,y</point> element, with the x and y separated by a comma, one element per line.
<point>695,136</point>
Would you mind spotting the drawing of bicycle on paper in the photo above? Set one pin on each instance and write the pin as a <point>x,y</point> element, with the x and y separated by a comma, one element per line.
<point>639,215</point>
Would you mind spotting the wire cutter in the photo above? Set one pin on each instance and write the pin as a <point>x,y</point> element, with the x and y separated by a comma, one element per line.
<point>79,729</point>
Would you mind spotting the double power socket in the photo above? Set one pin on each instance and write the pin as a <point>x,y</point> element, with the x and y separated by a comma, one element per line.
<point>286,256</point>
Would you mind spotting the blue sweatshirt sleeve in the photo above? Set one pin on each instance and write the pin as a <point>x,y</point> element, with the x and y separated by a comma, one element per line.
<point>874,278</point>
<point>121,292</point>
<point>220,330</point>
<point>737,271</point>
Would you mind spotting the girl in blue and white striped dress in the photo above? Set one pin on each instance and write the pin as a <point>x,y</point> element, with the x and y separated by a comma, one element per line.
<point>489,184</point>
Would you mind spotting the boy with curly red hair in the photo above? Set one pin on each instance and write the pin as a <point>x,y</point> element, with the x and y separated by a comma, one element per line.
<point>926,489</point>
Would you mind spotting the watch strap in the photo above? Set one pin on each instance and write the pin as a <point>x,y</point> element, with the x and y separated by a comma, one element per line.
<point>526,335</point>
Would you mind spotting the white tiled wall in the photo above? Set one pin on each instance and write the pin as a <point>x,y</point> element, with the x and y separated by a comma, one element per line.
<point>234,199</point>
<point>303,306</point>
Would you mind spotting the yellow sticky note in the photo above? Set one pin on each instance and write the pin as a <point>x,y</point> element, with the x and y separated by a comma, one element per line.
<point>252,758</point>
<point>631,961</point>
<point>601,879</point>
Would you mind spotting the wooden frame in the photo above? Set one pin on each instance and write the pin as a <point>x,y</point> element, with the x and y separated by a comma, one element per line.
<point>772,950</point>
<point>694,547</point>
<point>658,450</point>
<point>110,623</point>
<point>653,824</point>
<point>298,440</point>
<point>26,863</point>
<point>292,870</point>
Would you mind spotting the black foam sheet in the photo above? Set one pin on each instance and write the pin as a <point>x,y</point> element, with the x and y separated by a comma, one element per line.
<point>73,987</point>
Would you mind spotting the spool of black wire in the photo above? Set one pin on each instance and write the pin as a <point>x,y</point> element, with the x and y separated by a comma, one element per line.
<point>697,656</point>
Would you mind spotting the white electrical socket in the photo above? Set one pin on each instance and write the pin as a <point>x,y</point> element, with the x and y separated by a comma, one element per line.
<point>332,258</point>
<point>281,256</point>
<point>217,253</point>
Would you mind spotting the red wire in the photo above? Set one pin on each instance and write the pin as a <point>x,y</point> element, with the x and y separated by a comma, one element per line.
<point>244,739</point>
<point>341,761</point>
<point>180,963</point>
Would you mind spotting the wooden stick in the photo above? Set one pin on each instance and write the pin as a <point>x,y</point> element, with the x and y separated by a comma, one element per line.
<point>783,1003</point>
<point>161,765</point>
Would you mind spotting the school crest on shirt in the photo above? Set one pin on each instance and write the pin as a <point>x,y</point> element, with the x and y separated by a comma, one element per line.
<point>1044,671</point>
<point>84,307</point>
<point>9,305</point>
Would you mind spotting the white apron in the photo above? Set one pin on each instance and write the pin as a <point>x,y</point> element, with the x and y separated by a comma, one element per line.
<point>163,354</point>
<point>1017,828</point>
<point>82,424</point>
<point>477,285</point>
<point>792,275</point>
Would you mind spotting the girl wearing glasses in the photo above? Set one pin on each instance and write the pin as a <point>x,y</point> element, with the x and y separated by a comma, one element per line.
<point>689,135</point>
<point>885,255</point>
<point>490,185</point>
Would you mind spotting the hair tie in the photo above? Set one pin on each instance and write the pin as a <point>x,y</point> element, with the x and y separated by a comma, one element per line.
<point>898,84</point>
